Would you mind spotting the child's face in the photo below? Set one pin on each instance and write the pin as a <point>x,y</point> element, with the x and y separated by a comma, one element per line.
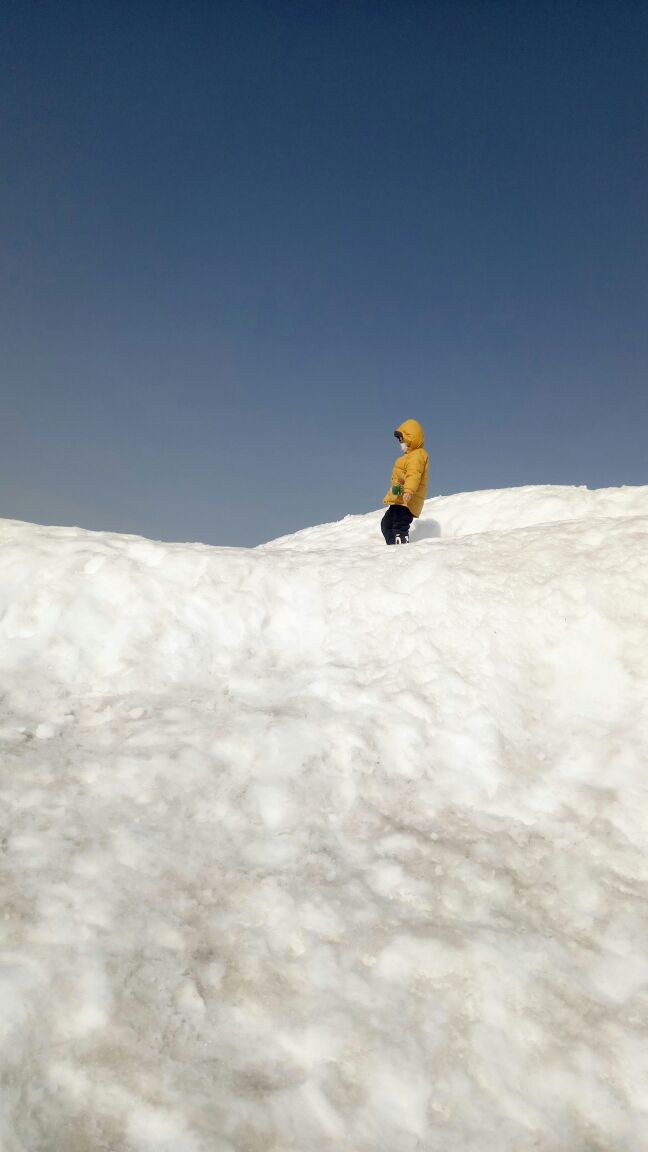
<point>403,446</point>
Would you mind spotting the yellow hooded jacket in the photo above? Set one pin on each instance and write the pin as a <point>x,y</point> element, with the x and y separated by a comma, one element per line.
<point>411,468</point>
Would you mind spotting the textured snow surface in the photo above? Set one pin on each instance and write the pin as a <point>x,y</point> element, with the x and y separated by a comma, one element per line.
<point>325,845</point>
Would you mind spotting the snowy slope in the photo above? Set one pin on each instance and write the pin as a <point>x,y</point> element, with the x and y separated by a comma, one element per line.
<point>465,514</point>
<point>324,845</point>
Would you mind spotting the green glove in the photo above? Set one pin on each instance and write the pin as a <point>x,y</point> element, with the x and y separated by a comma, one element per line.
<point>397,490</point>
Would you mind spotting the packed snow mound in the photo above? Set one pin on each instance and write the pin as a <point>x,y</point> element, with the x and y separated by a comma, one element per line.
<point>308,849</point>
<point>499,510</point>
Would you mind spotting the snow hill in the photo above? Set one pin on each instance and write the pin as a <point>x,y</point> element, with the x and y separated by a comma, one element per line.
<point>329,846</point>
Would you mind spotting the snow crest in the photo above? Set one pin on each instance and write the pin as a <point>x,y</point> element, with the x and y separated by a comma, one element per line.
<point>323,845</point>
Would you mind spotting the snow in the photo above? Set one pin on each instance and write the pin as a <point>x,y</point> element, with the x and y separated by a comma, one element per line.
<point>326,845</point>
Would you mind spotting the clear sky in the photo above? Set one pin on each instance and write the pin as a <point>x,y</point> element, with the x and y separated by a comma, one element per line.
<point>241,241</point>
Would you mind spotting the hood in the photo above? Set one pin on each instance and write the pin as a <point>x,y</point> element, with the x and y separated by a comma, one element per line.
<point>412,433</point>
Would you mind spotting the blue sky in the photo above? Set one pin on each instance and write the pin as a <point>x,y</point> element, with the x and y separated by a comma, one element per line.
<point>240,242</point>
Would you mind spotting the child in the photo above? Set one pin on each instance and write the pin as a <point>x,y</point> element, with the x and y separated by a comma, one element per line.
<point>409,484</point>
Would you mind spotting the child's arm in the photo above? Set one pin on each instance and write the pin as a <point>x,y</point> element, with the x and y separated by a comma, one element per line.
<point>414,467</point>
<point>395,485</point>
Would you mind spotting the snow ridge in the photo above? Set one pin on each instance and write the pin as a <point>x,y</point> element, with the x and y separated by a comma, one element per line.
<point>323,845</point>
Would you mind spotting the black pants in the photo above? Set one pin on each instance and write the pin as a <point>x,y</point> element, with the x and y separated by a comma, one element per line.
<point>396,522</point>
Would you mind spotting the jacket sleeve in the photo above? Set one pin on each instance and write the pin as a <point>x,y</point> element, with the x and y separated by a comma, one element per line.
<point>414,469</point>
